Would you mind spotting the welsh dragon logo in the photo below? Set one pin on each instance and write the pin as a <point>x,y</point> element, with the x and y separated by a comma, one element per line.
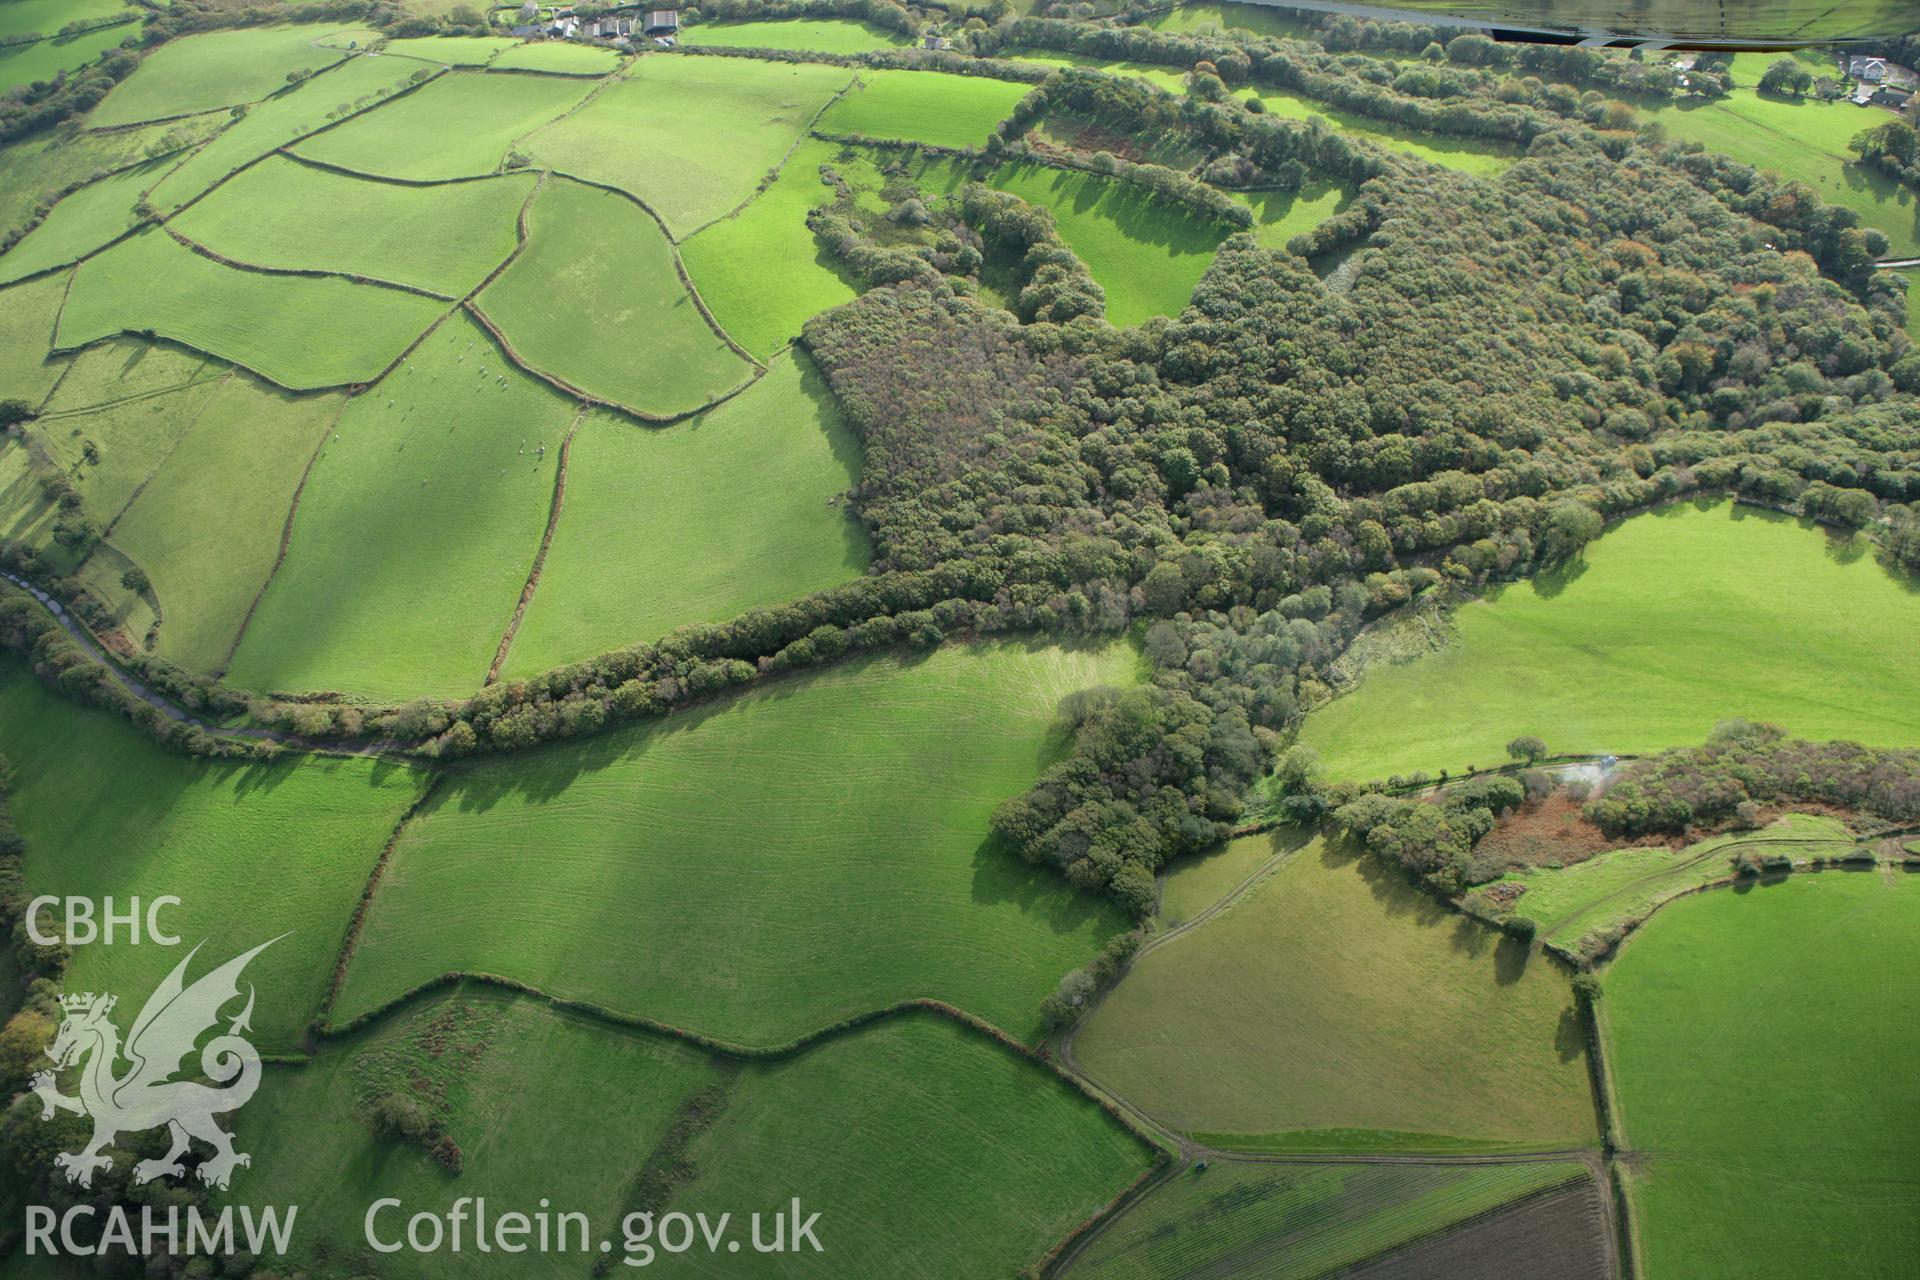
<point>145,1096</point>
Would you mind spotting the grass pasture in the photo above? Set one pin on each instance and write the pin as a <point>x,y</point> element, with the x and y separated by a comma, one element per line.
<point>301,332</point>
<point>763,866</point>
<point>1484,159</point>
<point>206,528</point>
<point>450,51</point>
<point>1616,890</point>
<point>110,451</point>
<point>595,299</point>
<point>252,851</point>
<point>923,106</point>
<point>82,222</point>
<point>1285,214</point>
<point>1299,1222</point>
<point>27,316</point>
<point>761,309</point>
<point>442,464</point>
<point>1804,141</point>
<point>714,129</point>
<point>281,213</point>
<point>1725,1001</point>
<point>525,1091</point>
<point>357,85</point>
<point>820,35</point>
<point>1671,622</point>
<point>1170,79</point>
<point>215,69</point>
<point>987,1156</point>
<point>25,17</point>
<point>557,57</point>
<point>35,169</point>
<point>24,64</point>
<point>696,522</point>
<point>1147,254</point>
<point>123,368</point>
<point>1192,884</point>
<point>1209,19</point>
<point>1360,984</point>
<point>460,126</point>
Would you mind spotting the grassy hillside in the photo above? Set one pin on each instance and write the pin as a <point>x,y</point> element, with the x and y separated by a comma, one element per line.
<point>594,299</point>
<point>542,1106</point>
<point>927,1150</point>
<point>696,522</point>
<point>558,58</point>
<point>252,851</point>
<point>1196,882</point>
<point>820,35</point>
<point>459,126</point>
<point>924,106</point>
<point>82,222</point>
<point>22,64</point>
<point>450,51</point>
<point>217,69</point>
<point>301,332</point>
<point>728,261</point>
<point>27,316</point>
<point>281,213</point>
<point>1616,890</point>
<point>1205,19</point>
<point>763,866</point>
<point>1285,1222</point>
<point>714,129</point>
<point>206,528</point>
<point>359,84</point>
<point>1484,158</point>
<point>1147,254</point>
<point>1402,1025</point>
<point>1730,995</point>
<point>1671,622</point>
<point>416,530</point>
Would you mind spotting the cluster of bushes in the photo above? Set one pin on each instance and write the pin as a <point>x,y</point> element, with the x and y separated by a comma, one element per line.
<point>1893,148</point>
<point>1743,766</point>
<point>1081,987</point>
<point>400,1117</point>
<point>1434,839</point>
<point>1056,285</point>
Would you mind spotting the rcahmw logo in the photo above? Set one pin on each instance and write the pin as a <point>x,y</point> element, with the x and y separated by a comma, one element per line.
<point>146,1096</point>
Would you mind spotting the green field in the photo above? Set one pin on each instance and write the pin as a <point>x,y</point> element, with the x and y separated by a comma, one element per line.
<point>1805,141</point>
<point>1913,302</point>
<point>23,64</point>
<point>206,528</point>
<point>82,222</point>
<point>27,316</point>
<point>1285,214</point>
<point>359,84</point>
<point>450,51</point>
<point>714,129</point>
<point>1210,19</point>
<point>1670,622</point>
<point>822,35</point>
<point>729,261</point>
<point>123,368</point>
<point>1402,1025</point>
<point>1803,981</point>
<point>556,57</point>
<point>34,170</point>
<point>281,213</point>
<point>763,866</point>
<point>217,69</point>
<point>845,1126</point>
<point>1291,1222</point>
<point>25,17</point>
<point>594,299</point>
<point>1147,253</point>
<point>129,439</point>
<point>1486,159</point>
<point>416,530</point>
<point>1196,882</point>
<point>252,851</point>
<point>696,522</point>
<point>1619,889</point>
<point>923,106</point>
<point>301,332</point>
<point>916,1124</point>
<point>460,126</point>
<point>523,1090</point>
<point>1171,79</point>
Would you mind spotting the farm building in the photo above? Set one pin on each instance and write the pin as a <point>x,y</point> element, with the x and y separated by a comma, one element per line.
<point>662,21</point>
<point>1871,70</point>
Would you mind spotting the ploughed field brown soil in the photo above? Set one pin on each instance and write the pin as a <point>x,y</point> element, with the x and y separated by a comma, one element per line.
<point>1555,1235</point>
